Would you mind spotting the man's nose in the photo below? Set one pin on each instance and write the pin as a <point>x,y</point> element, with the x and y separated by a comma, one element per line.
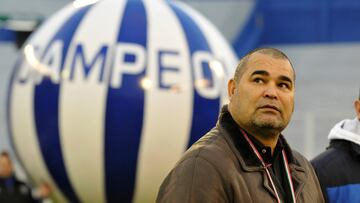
<point>271,91</point>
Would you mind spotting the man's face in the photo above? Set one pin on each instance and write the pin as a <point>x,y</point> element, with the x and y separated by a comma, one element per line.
<point>6,169</point>
<point>357,108</point>
<point>263,98</point>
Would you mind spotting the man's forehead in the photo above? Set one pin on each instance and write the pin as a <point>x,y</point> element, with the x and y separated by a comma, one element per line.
<point>272,66</point>
<point>4,158</point>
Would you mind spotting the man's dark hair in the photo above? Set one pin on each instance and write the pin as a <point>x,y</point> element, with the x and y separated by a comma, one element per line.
<point>4,153</point>
<point>276,53</point>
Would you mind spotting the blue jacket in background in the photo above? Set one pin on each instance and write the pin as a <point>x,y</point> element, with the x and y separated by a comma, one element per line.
<point>338,168</point>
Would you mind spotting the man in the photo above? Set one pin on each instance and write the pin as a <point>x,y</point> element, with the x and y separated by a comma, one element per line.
<point>14,191</point>
<point>339,166</point>
<point>244,158</point>
<point>11,189</point>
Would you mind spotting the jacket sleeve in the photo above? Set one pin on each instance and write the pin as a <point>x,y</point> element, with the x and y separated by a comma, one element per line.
<point>193,180</point>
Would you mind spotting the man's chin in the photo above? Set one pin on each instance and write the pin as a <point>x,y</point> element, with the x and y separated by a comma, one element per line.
<point>270,124</point>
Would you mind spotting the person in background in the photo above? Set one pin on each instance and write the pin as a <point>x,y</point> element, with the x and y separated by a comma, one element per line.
<point>245,158</point>
<point>338,168</point>
<point>13,190</point>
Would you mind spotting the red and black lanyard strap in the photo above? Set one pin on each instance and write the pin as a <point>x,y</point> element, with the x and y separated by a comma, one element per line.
<point>287,169</point>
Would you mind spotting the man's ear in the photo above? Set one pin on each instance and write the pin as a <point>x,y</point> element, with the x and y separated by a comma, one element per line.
<point>231,87</point>
<point>357,107</point>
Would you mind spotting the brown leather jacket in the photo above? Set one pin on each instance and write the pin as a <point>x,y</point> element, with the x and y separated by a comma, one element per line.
<point>221,167</point>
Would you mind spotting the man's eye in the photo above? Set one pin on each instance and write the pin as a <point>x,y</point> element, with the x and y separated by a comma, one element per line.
<point>284,85</point>
<point>258,80</point>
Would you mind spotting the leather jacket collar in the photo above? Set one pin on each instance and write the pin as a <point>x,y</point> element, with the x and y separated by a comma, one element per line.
<point>248,160</point>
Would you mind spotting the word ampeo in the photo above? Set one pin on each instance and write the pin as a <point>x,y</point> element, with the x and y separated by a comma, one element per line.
<point>110,64</point>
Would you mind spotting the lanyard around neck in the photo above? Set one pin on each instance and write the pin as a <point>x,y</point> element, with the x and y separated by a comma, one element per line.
<point>287,169</point>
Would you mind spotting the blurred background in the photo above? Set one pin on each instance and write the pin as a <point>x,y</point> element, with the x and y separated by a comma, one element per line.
<point>322,38</point>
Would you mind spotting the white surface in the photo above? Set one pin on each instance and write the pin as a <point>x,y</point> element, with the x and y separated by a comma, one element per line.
<point>154,157</point>
<point>82,104</point>
<point>22,114</point>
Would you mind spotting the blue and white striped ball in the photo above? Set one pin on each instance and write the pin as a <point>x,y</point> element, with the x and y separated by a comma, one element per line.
<point>106,97</point>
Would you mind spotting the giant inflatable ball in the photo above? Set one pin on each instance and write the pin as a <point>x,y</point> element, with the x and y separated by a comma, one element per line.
<point>105,97</point>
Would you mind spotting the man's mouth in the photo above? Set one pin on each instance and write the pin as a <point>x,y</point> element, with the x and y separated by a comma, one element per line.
<point>270,107</point>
